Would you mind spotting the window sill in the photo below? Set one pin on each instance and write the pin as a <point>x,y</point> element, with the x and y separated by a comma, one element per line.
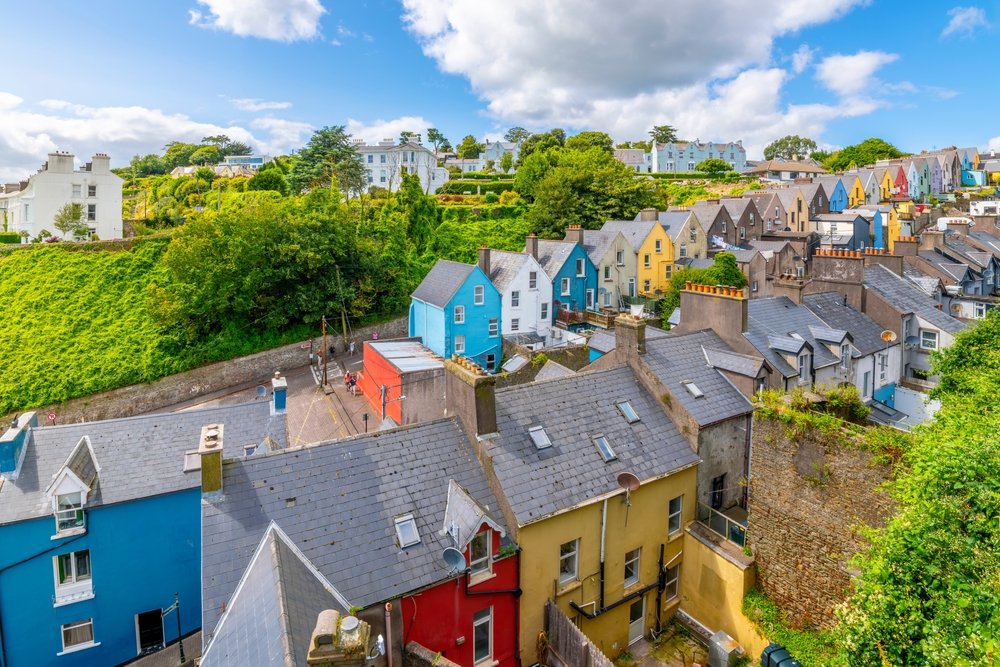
<point>674,536</point>
<point>82,530</point>
<point>480,577</point>
<point>72,598</point>
<point>79,647</point>
<point>631,588</point>
<point>488,662</point>
<point>569,587</point>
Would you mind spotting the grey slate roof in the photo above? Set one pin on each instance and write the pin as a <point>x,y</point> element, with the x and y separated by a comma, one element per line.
<point>504,266</point>
<point>552,255</point>
<point>603,340</point>
<point>463,515</point>
<point>955,270</point>
<point>987,240</point>
<point>700,263</point>
<point>907,298</point>
<point>726,359</point>
<point>140,457</point>
<point>706,214</point>
<point>635,231</point>
<point>736,206</point>
<point>769,325</point>
<point>866,334</point>
<point>538,483</point>
<point>673,222</point>
<point>82,463</point>
<point>337,502</point>
<point>441,283</point>
<point>596,242</point>
<point>828,335</point>
<point>929,285</point>
<point>681,358</point>
<point>552,370</point>
<point>271,618</point>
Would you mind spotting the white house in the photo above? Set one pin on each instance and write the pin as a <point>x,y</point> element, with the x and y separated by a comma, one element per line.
<point>495,150</point>
<point>635,158</point>
<point>31,205</point>
<point>387,161</point>
<point>526,293</point>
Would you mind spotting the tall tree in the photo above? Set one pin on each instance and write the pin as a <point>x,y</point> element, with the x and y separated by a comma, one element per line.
<point>70,221</point>
<point>317,162</point>
<point>404,136</point>
<point>663,134</point>
<point>436,138</point>
<point>516,134</point>
<point>859,155</point>
<point>791,147</point>
<point>470,148</point>
<point>587,140</point>
<point>540,143</point>
<point>506,162</point>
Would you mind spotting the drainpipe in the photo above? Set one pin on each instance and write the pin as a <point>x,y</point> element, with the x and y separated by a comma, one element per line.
<point>388,634</point>
<point>749,454</point>
<point>604,524</point>
<point>516,592</point>
<point>661,580</point>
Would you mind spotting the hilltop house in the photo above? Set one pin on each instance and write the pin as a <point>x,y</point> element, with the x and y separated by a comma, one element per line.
<point>495,150</point>
<point>684,156</point>
<point>387,161</point>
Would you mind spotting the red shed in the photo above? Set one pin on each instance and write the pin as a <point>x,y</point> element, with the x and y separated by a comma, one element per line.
<point>406,368</point>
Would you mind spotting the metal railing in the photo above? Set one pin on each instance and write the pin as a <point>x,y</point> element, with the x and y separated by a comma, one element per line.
<point>722,525</point>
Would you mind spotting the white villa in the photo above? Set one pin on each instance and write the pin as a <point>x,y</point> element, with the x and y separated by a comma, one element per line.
<point>387,161</point>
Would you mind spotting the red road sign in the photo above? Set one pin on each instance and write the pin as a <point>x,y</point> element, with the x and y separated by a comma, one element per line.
<point>52,416</point>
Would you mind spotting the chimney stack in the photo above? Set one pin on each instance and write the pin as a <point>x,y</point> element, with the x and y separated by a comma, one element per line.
<point>906,246</point>
<point>721,308</point>
<point>841,271</point>
<point>279,389</point>
<point>210,452</point>
<point>470,392</point>
<point>484,260</point>
<point>786,285</point>
<point>13,445</point>
<point>630,334</point>
<point>339,641</point>
<point>931,239</point>
<point>531,246</point>
<point>574,233</point>
<point>959,228</point>
<point>649,215</point>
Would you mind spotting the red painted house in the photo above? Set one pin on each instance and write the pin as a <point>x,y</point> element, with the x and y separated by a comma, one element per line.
<point>899,178</point>
<point>405,368</point>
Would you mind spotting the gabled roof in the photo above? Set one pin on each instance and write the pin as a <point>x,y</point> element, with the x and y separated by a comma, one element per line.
<point>808,190</point>
<point>736,206</point>
<point>673,222</point>
<point>270,618</point>
<point>987,240</point>
<point>907,298</point>
<point>139,457</point>
<point>825,334</point>
<point>965,252</point>
<point>734,362</point>
<point>552,255</point>
<point>928,284</point>
<point>789,344</point>
<point>831,307</point>
<point>763,201</point>
<point>635,231</point>
<point>707,214</point>
<point>786,196</point>
<point>504,266</point>
<point>955,270</point>
<point>552,370</point>
<point>630,155</point>
<point>441,283</point>
<point>596,242</point>
<point>572,410</point>
<point>338,501</point>
<point>770,324</point>
<point>603,340</point>
<point>779,165</point>
<point>676,359</point>
<point>463,515</point>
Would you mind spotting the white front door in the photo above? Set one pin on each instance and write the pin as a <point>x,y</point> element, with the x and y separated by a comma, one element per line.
<point>636,616</point>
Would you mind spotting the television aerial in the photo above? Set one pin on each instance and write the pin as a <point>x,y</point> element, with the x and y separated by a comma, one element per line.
<point>912,340</point>
<point>630,483</point>
<point>454,559</point>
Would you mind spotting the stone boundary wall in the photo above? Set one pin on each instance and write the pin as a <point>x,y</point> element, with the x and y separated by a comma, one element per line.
<point>573,357</point>
<point>807,497</point>
<point>415,655</point>
<point>138,399</point>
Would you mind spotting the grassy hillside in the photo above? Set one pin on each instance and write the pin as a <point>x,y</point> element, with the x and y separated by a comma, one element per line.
<point>76,323</point>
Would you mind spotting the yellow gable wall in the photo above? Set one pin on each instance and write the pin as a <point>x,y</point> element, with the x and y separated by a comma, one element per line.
<point>646,529</point>
<point>886,185</point>
<point>659,262</point>
<point>797,213</point>
<point>856,195</point>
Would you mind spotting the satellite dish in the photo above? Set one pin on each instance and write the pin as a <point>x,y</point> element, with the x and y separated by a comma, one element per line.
<point>888,336</point>
<point>912,340</point>
<point>658,292</point>
<point>628,481</point>
<point>454,559</point>
<point>261,391</point>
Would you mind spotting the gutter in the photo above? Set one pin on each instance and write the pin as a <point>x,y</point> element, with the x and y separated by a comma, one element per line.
<point>628,598</point>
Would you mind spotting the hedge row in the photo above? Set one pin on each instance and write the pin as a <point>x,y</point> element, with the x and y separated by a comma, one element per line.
<point>685,175</point>
<point>10,237</point>
<point>461,187</point>
<point>479,176</point>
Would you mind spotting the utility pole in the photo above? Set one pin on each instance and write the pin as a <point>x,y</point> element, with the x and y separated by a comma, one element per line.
<point>343,315</point>
<point>325,352</point>
<point>385,391</point>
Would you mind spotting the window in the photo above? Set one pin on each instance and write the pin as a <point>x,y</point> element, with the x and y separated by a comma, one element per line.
<point>73,567</point>
<point>607,272</point>
<point>381,177</point>
<point>867,383</point>
<point>645,285</point>
<point>459,344</point>
<point>78,635</point>
<point>405,157</point>
<point>718,489</point>
<point>494,327</point>
<point>581,270</point>
<point>491,362</point>
<point>515,299</point>
<point>459,314</point>
<point>91,211</point>
<point>883,362</point>
<point>631,416</point>
<point>723,226</point>
<point>684,250</point>
<point>590,299</point>
<point>690,166</point>
<point>800,271</point>
<point>482,635</point>
<point>928,339</point>
<point>371,159</point>
<point>632,567</point>
<point>980,311</point>
<point>776,212</point>
<point>607,298</point>
<point>743,233</point>
<point>545,311</point>
<point>539,437</point>
<point>804,367</point>
<point>149,631</point>
<point>659,245</point>
<point>755,286</point>
<point>845,356</point>
<point>620,258</point>
<point>565,287</point>
<point>666,270</point>
<point>532,280</point>
<point>604,447</point>
<point>645,260</point>
<point>382,158</point>
<point>479,552</point>
<point>478,295</point>
<point>69,512</point>
<point>694,236</point>
<point>406,531</point>
<point>77,191</point>
<point>674,515</point>
<point>567,561</point>
<point>91,190</point>
<point>670,583</point>
<point>515,324</point>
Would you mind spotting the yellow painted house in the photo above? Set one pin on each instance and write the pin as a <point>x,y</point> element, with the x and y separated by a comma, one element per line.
<point>856,192</point>
<point>653,248</point>
<point>886,185</point>
<point>596,485</point>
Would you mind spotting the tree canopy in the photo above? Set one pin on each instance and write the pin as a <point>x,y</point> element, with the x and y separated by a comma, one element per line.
<point>587,140</point>
<point>713,166</point>
<point>516,134</point>
<point>859,155</point>
<point>319,161</point>
<point>724,271</point>
<point>70,221</point>
<point>470,149</point>
<point>268,179</point>
<point>541,142</point>
<point>788,148</point>
<point>663,134</point>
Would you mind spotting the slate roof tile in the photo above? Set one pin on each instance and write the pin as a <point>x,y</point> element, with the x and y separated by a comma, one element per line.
<point>441,283</point>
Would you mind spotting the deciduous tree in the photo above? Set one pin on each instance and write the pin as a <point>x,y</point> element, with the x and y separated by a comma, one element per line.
<point>587,140</point>
<point>470,149</point>
<point>663,134</point>
<point>506,162</point>
<point>70,221</point>
<point>790,147</point>
<point>318,161</point>
<point>859,155</point>
<point>713,166</point>
<point>516,134</point>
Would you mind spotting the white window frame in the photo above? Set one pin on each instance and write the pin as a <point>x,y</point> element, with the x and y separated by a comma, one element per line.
<point>845,356</point>
<point>78,192</point>
<point>72,648</point>
<point>479,295</point>
<point>581,268</point>
<point>401,521</point>
<point>620,258</point>
<point>494,327</point>
<point>632,559</point>
<point>479,619</point>
<point>483,563</point>
<point>694,235</point>
<point>684,250</point>
<point>743,233</point>
<point>607,272</point>
<point>91,190</point>
<point>545,311</point>
<point>572,554</point>
<point>674,515</point>
<point>928,332</point>
<point>564,291</point>
<point>91,212</point>
<point>590,299</point>
<point>755,286</point>
<point>658,248</point>
<point>76,587</point>
<point>532,279</point>
<point>515,324</point>
<point>980,310</point>
<point>459,344</point>
<point>803,367</point>
<point>74,508</point>
<point>459,314</point>
<point>515,299</point>
<point>672,577</point>
<point>645,260</point>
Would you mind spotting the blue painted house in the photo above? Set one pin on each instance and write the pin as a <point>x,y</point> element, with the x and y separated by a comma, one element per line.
<point>573,274</point>
<point>836,193</point>
<point>457,310</point>
<point>100,524</point>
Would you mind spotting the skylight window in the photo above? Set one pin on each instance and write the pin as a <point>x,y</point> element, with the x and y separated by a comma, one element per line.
<point>406,531</point>
<point>630,415</point>
<point>604,447</point>
<point>539,437</point>
<point>693,389</point>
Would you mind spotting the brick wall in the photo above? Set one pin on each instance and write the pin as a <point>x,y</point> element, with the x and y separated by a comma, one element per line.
<point>805,496</point>
<point>415,655</point>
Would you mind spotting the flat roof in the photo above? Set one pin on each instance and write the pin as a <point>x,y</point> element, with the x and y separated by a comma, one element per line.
<point>407,355</point>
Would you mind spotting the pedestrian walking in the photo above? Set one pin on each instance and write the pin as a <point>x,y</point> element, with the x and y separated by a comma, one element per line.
<point>347,380</point>
<point>352,348</point>
<point>354,386</point>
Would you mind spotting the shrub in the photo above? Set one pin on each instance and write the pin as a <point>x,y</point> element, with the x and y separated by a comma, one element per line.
<point>491,198</point>
<point>509,197</point>
<point>10,237</point>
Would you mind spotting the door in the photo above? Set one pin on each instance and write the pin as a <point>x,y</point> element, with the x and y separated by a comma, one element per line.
<point>149,628</point>
<point>631,286</point>
<point>636,616</point>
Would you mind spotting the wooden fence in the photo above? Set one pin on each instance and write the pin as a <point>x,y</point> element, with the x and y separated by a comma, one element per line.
<point>567,646</point>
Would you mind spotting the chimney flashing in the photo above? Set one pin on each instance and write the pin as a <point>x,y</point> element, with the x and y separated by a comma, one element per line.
<point>210,447</point>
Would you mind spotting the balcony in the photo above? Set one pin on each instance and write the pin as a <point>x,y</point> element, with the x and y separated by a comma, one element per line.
<point>730,524</point>
<point>597,318</point>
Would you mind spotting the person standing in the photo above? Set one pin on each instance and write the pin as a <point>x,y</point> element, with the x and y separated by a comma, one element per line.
<point>374,335</point>
<point>352,348</point>
<point>354,386</point>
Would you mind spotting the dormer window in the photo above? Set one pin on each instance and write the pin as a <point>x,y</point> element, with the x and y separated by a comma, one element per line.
<point>69,511</point>
<point>845,356</point>
<point>804,367</point>
<point>479,552</point>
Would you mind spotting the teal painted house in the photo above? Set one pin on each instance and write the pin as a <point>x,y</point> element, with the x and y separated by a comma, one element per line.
<point>457,310</point>
<point>100,524</point>
<point>573,274</point>
<point>836,194</point>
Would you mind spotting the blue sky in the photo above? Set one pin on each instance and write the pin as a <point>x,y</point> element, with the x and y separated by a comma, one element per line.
<point>124,77</point>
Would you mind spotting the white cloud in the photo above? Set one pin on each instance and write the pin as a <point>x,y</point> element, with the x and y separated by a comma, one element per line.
<point>27,136</point>
<point>801,59</point>
<point>993,144</point>
<point>852,76</point>
<point>385,129</point>
<point>964,21</point>
<point>280,20</point>
<point>620,67</point>
<point>255,104</point>
<point>344,32</point>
